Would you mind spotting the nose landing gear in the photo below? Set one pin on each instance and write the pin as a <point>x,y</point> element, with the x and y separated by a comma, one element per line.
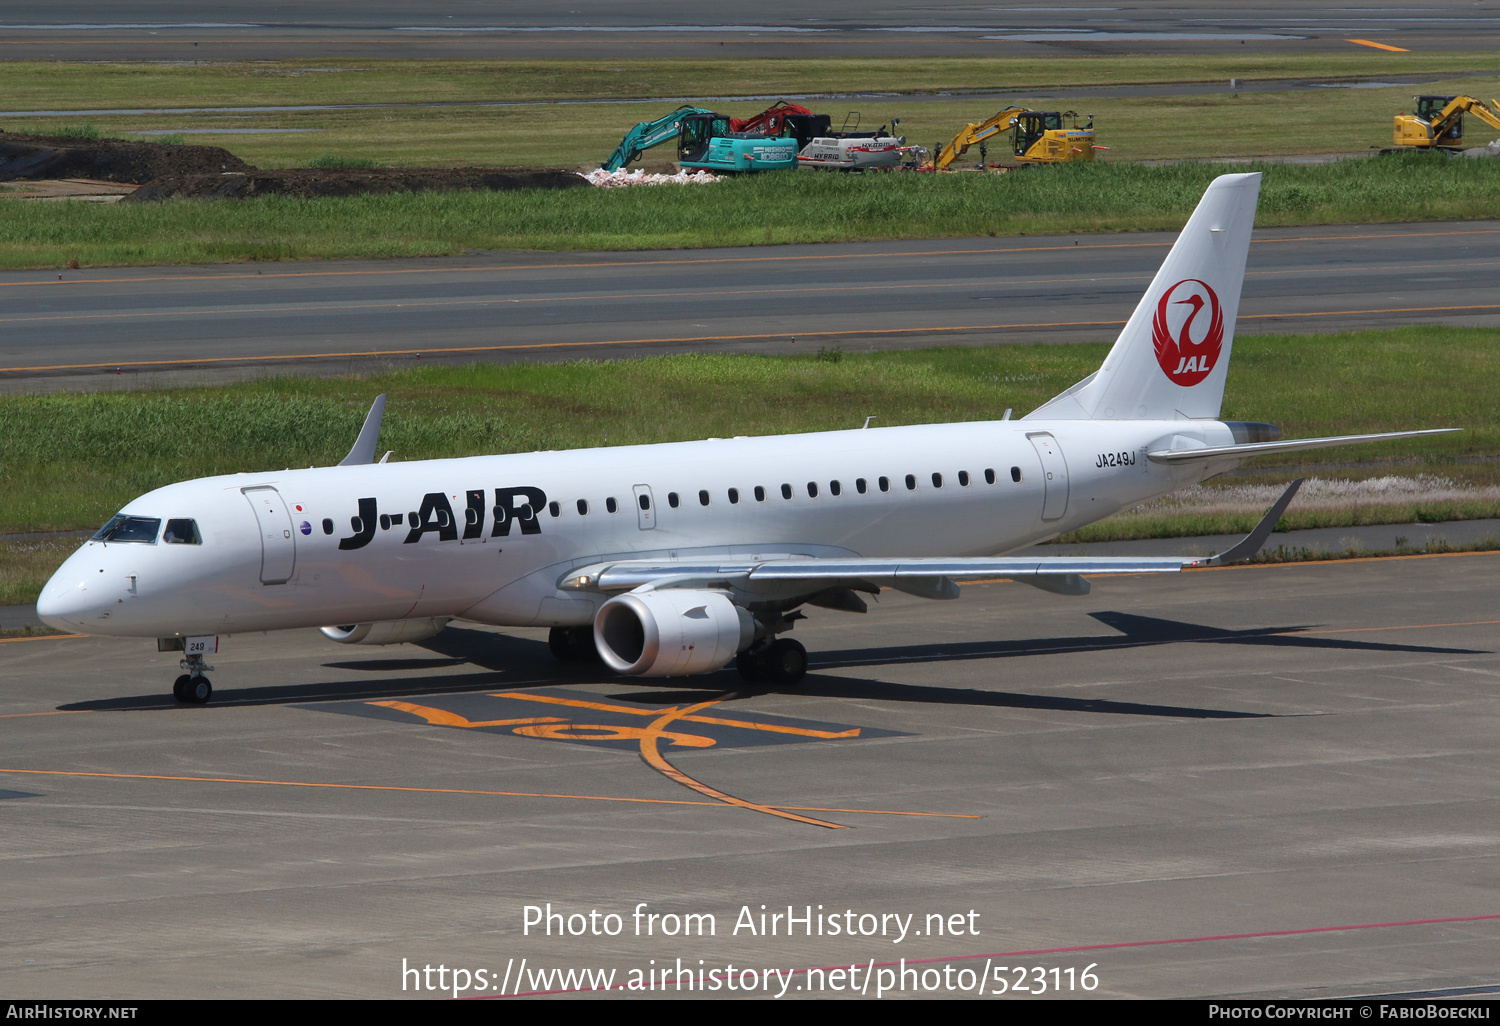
<point>193,688</point>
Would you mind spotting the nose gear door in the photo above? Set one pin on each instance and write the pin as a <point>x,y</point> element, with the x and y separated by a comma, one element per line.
<point>278,546</point>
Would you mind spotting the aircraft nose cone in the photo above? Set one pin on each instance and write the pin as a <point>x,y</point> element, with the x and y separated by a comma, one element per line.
<point>67,604</point>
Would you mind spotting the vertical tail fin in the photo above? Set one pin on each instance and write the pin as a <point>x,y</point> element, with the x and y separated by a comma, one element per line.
<point>1172,356</point>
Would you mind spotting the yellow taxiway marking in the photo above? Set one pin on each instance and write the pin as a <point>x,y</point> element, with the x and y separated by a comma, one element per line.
<point>655,760</point>
<point>51,712</point>
<point>1400,627</point>
<point>42,637</point>
<point>457,790</point>
<point>1378,46</point>
<point>648,737</point>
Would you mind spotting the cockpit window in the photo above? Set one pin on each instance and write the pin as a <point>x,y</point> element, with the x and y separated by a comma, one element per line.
<point>123,528</point>
<point>182,532</point>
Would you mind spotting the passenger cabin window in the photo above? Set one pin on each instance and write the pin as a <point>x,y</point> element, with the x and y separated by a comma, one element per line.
<point>611,505</point>
<point>673,500</point>
<point>122,528</point>
<point>703,497</point>
<point>1015,473</point>
<point>812,489</point>
<point>555,508</point>
<point>734,495</point>
<point>760,494</point>
<point>989,477</point>
<point>885,484</point>
<point>583,507</point>
<point>327,526</point>
<point>184,532</point>
<point>834,487</point>
<point>937,480</point>
<point>786,491</point>
<point>911,482</point>
<point>644,500</point>
<point>860,486</point>
<point>963,478</point>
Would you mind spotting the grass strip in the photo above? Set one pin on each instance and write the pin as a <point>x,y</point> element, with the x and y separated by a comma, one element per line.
<point>63,85</point>
<point>72,460</point>
<point>790,207</point>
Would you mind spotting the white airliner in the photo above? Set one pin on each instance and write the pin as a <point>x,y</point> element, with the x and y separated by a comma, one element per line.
<point>683,557</point>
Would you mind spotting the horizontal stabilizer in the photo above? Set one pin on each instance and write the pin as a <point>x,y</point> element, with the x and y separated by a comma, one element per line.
<point>1215,452</point>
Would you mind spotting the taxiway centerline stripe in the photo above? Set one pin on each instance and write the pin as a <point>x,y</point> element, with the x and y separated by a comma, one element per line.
<point>1379,46</point>
<point>766,336</point>
<point>1399,627</point>
<point>43,637</point>
<point>654,759</point>
<point>51,712</point>
<point>457,790</point>
<point>779,258</point>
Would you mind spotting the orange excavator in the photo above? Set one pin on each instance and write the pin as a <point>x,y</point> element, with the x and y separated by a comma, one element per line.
<point>1438,123</point>
<point>784,120</point>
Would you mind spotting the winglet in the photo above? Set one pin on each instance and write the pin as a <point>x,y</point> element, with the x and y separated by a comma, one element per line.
<point>1252,542</point>
<point>364,446</point>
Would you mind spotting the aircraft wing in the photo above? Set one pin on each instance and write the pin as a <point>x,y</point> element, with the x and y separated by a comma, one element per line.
<point>927,577</point>
<point>1249,449</point>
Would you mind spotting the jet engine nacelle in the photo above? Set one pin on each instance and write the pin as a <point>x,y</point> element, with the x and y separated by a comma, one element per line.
<point>671,631</point>
<point>388,632</point>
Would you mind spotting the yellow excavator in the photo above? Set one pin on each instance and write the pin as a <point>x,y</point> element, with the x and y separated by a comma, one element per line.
<point>1438,123</point>
<point>1036,137</point>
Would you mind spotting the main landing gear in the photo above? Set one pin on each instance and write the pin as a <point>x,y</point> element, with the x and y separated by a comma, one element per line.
<point>573,644</point>
<point>782,662</point>
<point>193,688</point>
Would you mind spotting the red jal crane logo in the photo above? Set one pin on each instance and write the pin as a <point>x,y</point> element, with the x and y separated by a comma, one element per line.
<point>1184,360</point>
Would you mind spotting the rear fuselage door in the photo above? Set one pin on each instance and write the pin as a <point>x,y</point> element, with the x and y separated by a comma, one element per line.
<point>278,547</point>
<point>645,507</point>
<point>1054,475</point>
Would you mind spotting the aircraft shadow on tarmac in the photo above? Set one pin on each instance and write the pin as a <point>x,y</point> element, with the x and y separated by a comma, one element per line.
<point>513,662</point>
<point>1137,631</point>
<point>860,688</point>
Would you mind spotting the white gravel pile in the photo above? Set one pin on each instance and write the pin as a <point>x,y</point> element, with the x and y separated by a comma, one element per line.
<point>619,179</point>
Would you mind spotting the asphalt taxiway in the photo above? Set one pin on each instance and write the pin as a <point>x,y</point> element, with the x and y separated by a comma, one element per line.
<point>241,30</point>
<point>1262,781</point>
<point>154,327</point>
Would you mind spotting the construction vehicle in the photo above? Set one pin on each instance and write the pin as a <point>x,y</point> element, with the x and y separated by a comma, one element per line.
<point>1438,123</point>
<point>648,134</point>
<point>1037,137</point>
<point>785,120</point>
<point>706,141</point>
<point>852,150</point>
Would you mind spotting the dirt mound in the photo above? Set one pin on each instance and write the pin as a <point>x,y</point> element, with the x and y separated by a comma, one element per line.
<point>110,160</point>
<point>313,182</point>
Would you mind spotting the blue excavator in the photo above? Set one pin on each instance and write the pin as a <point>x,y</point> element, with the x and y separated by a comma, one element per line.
<point>705,140</point>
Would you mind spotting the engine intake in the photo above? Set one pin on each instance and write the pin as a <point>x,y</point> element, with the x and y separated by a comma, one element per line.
<point>387,632</point>
<point>670,632</point>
